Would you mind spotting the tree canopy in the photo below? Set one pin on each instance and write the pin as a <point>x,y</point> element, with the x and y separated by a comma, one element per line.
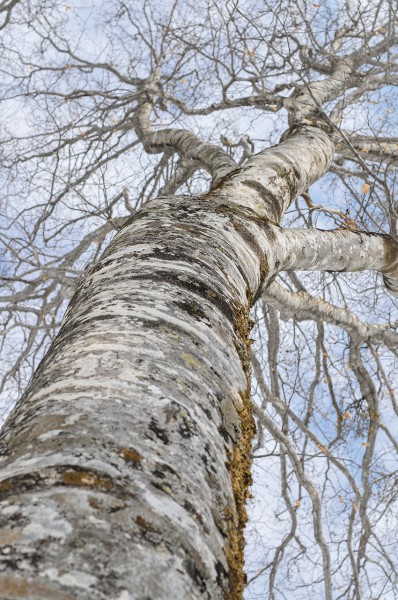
<point>106,106</point>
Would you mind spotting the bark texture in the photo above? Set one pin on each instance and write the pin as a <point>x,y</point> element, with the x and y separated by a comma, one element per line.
<point>338,250</point>
<point>118,450</point>
<point>209,156</point>
<point>125,466</point>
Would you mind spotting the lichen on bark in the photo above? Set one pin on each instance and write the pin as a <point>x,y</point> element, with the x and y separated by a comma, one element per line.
<point>149,379</point>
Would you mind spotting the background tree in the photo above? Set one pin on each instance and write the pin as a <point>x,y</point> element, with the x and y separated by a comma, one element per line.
<point>106,107</point>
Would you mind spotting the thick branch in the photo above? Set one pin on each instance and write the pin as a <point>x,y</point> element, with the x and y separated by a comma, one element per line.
<point>213,158</point>
<point>272,179</point>
<point>317,250</point>
<point>314,95</point>
<point>375,149</point>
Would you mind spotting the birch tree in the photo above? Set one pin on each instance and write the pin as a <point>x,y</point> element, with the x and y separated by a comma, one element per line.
<point>158,167</point>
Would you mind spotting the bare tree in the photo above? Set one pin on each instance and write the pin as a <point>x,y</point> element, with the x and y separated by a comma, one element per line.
<point>126,464</point>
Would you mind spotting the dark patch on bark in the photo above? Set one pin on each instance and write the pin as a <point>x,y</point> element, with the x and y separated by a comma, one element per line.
<point>132,456</point>
<point>222,574</point>
<point>160,433</point>
<point>390,251</point>
<point>285,166</point>
<point>223,182</point>
<point>165,468</point>
<point>246,213</point>
<point>287,171</point>
<point>207,412</point>
<point>271,200</point>
<point>60,475</point>
<point>193,309</point>
<point>159,474</point>
<point>144,524</point>
<point>162,487</point>
<point>315,118</point>
<point>264,270</point>
<point>186,427</point>
<point>224,433</point>
<point>197,516</point>
<point>195,575</point>
<point>185,430</point>
<point>135,217</point>
<point>258,187</point>
<point>248,237</point>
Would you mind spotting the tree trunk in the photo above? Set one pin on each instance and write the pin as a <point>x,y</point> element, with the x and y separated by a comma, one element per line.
<point>126,464</point>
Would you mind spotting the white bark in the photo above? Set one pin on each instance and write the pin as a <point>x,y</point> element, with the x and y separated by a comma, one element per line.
<point>130,410</point>
<point>338,250</point>
<point>126,464</point>
<point>213,158</point>
<point>271,179</point>
<point>375,149</point>
<point>314,95</point>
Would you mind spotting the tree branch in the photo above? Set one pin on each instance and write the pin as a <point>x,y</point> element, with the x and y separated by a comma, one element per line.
<point>302,306</point>
<point>213,158</point>
<point>338,250</point>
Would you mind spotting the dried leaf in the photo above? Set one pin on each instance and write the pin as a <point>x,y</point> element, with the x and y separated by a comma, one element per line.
<point>347,415</point>
<point>323,449</point>
<point>365,188</point>
<point>298,503</point>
